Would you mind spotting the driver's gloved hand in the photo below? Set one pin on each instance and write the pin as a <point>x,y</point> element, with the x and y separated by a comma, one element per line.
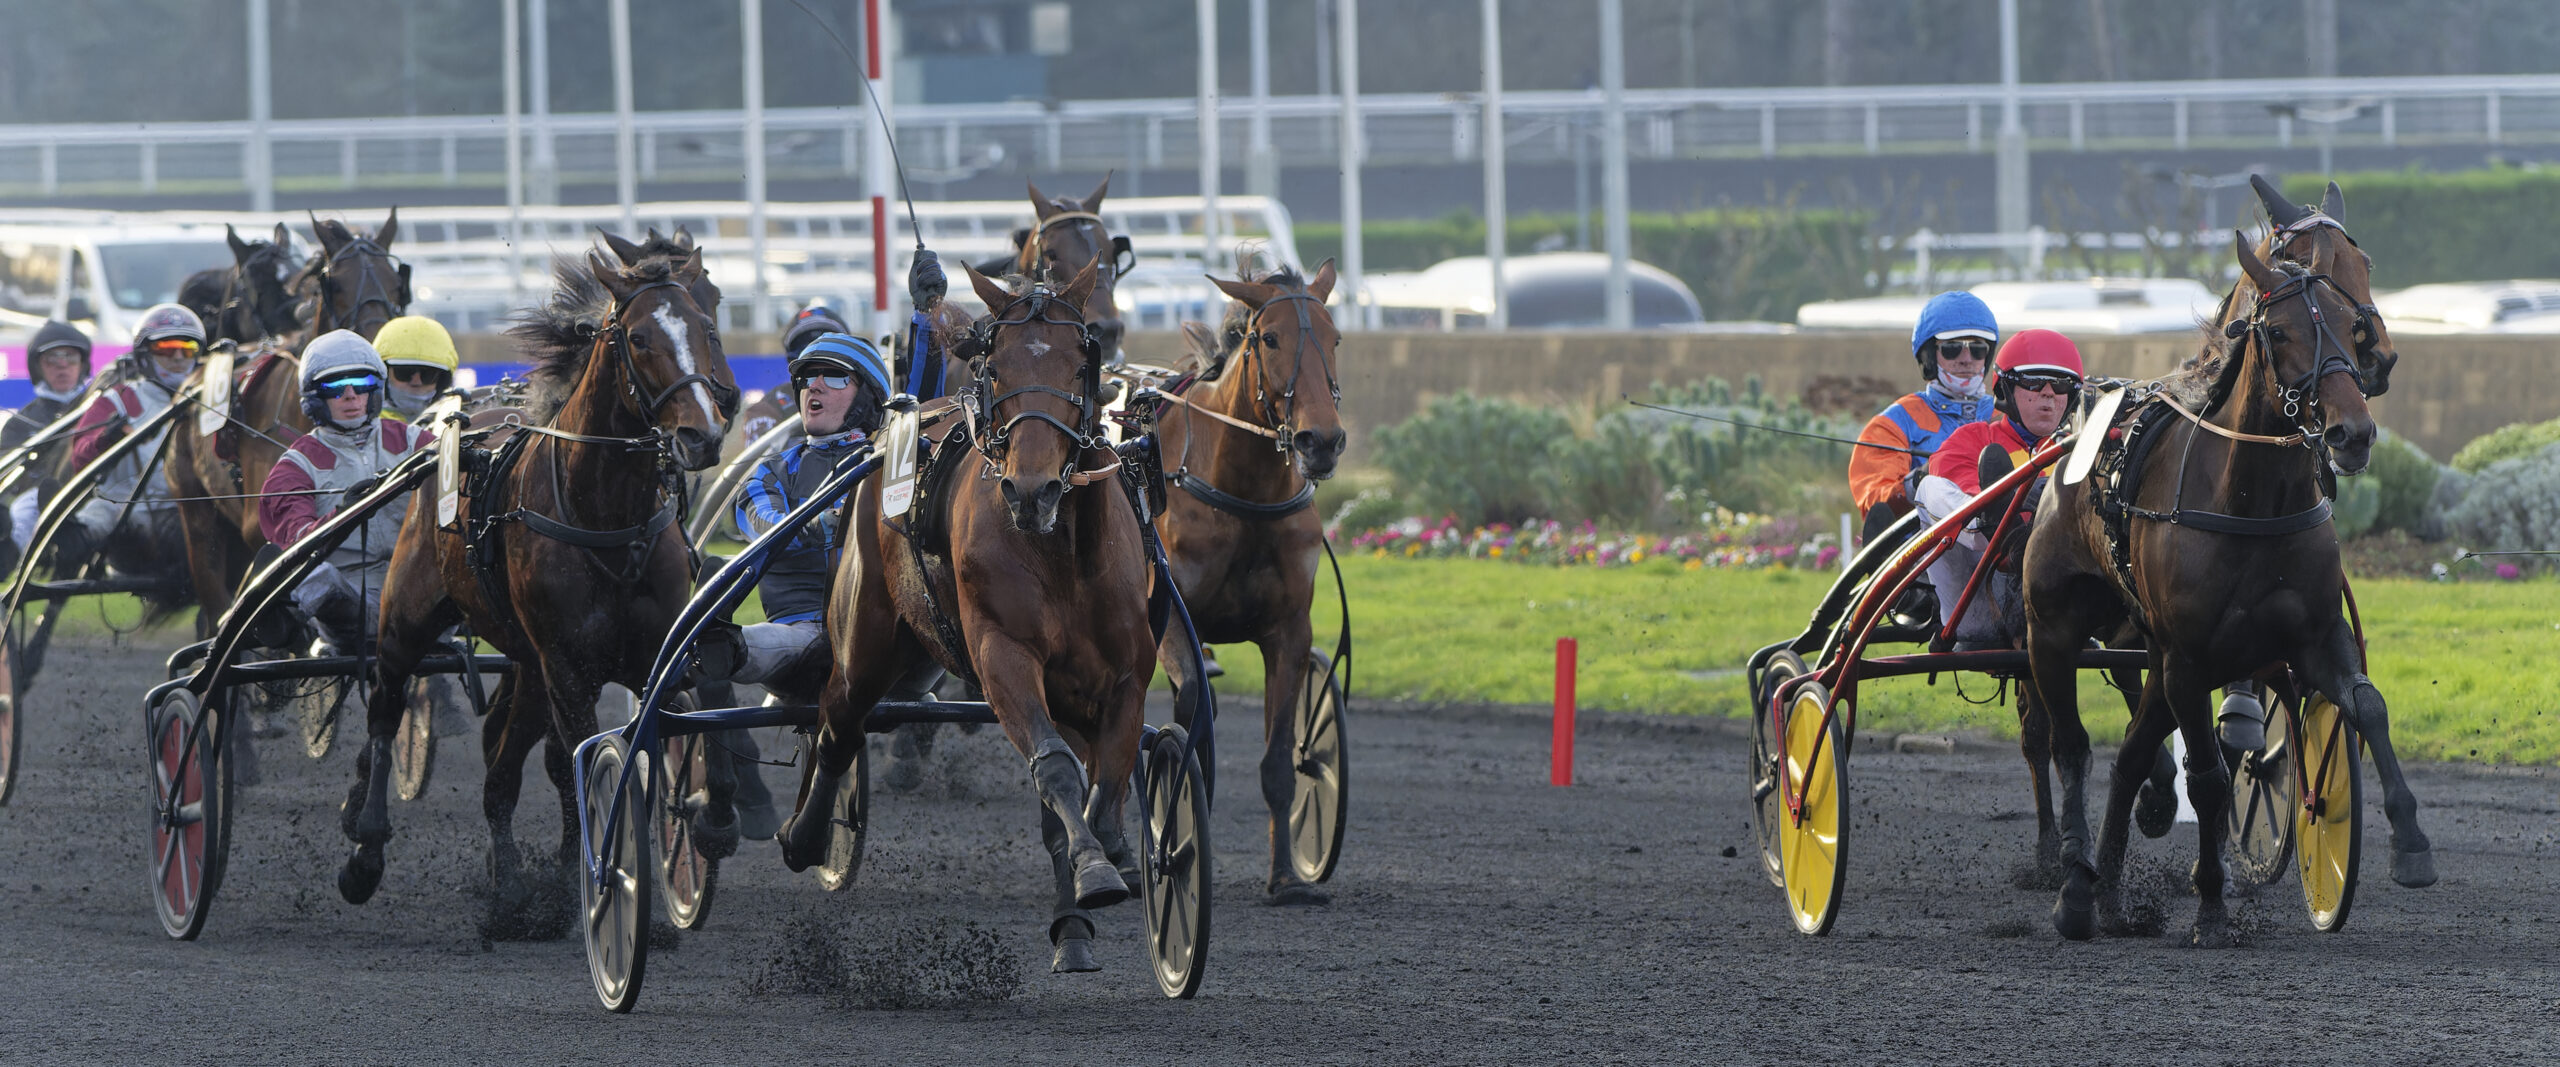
<point>925,281</point>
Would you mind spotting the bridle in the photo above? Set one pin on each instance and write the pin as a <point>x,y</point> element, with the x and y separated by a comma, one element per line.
<point>369,287</point>
<point>1259,346</point>
<point>1123,258</point>
<point>244,284</point>
<point>993,436</point>
<point>2367,315</point>
<point>2330,355</point>
<point>617,338</point>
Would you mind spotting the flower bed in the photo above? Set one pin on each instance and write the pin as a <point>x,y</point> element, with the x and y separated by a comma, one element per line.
<point>1726,540</point>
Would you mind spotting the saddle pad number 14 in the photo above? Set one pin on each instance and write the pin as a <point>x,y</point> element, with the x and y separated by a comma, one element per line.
<point>898,462</point>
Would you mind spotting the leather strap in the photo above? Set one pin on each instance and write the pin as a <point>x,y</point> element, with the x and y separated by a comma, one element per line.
<point>2250,438</point>
<point>2216,522</point>
<point>1236,505</point>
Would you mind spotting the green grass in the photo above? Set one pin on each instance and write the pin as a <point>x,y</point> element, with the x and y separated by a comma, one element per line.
<point>2466,666</point>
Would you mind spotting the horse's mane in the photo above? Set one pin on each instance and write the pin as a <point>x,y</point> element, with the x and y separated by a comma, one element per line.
<point>2204,382</point>
<point>557,335</point>
<point>1239,318</point>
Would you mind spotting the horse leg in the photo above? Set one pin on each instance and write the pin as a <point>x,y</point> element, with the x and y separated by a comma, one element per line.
<point>2133,773</point>
<point>854,686</point>
<point>516,721</point>
<point>1115,763</point>
<point>366,818</point>
<point>1284,669</point>
<point>2035,742</point>
<point>1086,877</point>
<point>2332,664</point>
<point>2061,617</point>
<point>2188,692</point>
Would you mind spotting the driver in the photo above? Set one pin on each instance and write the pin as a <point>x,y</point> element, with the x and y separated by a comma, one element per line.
<point>1952,343</point>
<point>2039,377</point>
<point>343,391</point>
<point>422,361</point>
<point>166,347</point>
<point>58,360</point>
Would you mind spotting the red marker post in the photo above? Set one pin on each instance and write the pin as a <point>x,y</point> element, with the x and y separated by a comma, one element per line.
<point>1560,764</point>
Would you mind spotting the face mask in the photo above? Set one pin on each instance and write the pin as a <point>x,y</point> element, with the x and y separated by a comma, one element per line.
<point>1963,387</point>
<point>406,403</point>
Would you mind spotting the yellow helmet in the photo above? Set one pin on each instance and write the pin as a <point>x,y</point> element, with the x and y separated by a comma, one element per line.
<point>417,341</point>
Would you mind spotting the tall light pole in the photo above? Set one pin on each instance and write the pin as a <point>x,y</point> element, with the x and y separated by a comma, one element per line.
<point>751,40</point>
<point>514,93</point>
<point>259,169</point>
<point>1346,40</point>
<point>2009,184</point>
<point>626,167</point>
<point>1261,168</point>
<point>1497,200</point>
<point>546,159</point>
<point>1211,169</point>
<point>1620,299</point>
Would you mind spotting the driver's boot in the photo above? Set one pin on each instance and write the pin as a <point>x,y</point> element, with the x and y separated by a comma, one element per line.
<point>2243,719</point>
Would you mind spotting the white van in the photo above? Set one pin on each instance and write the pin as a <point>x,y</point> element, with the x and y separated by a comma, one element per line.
<point>100,280</point>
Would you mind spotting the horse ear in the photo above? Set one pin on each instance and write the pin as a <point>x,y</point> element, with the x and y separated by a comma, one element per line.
<point>1093,200</point>
<point>2334,203</point>
<point>2281,211</point>
<point>320,231</point>
<point>609,275</point>
<point>684,237</point>
<point>284,237</point>
<point>623,250</point>
<point>239,248</point>
<point>1081,289</point>
<point>1040,207</point>
<point>1253,294</point>
<point>390,228</point>
<point>1322,286</point>
<point>2259,274</point>
<point>990,293</point>
<point>690,267</point>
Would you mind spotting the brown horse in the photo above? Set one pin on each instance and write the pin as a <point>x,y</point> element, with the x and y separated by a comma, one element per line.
<point>2232,570</point>
<point>353,284</point>
<point>1065,237</point>
<point>566,556</point>
<point>1247,445</point>
<point>249,300</point>
<point>1037,591</point>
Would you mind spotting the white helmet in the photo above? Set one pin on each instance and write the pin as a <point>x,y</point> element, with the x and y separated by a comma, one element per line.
<point>336,356</point>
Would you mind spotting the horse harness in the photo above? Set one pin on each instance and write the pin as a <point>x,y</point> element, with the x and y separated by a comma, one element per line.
<point>1278,416</point>
<point>369,286</point>
<point>1039,237</point>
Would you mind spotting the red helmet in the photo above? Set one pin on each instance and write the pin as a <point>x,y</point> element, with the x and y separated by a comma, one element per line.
<point>2030,352</point>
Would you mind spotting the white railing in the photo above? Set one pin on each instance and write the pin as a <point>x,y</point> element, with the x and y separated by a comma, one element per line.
<point>945,142</point>
<point>2039,254</point>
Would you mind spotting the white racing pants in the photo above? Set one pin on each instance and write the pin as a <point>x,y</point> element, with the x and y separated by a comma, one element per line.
<point>1995,600</point>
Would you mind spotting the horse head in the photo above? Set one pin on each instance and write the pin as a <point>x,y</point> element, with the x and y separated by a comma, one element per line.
<point>1068,238</point>
<point>2317,238</point>
<point>261,275</point>
<point>356,282</point>
<point>1289,342</point>
<point>667,350</point>
<point>1034,359</point>
<point>2310,372</point>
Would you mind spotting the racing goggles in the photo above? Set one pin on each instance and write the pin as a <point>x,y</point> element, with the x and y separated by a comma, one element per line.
<point>174,346</point>
<point>2048,382</point>
<point>831,381</point>
<point>336,388</point>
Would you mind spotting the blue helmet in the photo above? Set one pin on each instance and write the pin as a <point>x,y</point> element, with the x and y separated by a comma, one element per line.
<point>1955,313</point>
<point>842,353</point>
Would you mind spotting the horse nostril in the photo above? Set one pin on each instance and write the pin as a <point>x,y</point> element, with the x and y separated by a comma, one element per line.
<point>1305,441</point>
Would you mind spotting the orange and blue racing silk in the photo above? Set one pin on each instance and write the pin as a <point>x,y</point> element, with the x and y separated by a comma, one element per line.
<point>1920,423</point>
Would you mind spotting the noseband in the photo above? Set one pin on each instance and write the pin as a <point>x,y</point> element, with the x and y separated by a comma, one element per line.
<point>2330,355</point>
<point>370,288</point>
<point>618,338</point>
<point>983,401</point>
<point>1258,345</point>
<point>2366,314</point>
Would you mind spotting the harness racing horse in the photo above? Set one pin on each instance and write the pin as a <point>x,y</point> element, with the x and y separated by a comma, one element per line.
<point>565,553</point>
<point>1020,564</point>
<point>2230,569</point>
<point>353,284</point>
<point>250,300</point>
<point>1247,445</point>
<point>1068,235</point>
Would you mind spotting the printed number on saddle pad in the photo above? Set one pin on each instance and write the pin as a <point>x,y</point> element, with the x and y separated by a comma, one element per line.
<point>217,390</point>
<point>448,462</point>
<point>2093,434</point>
<point>898,462</point>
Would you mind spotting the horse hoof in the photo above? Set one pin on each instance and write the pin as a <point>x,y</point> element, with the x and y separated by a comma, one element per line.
<point>2214,934</point>
<point>2416,870</point>
<point>1098,885</point>
<point>2075,909</point>
<point>2154,810</point>
<point>715,839</point>
<point>1297,895</point>
<point>1074,955</point>
<point>360,876</point>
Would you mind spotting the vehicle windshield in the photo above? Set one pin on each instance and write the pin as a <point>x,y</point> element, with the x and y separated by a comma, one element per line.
<point>146,273</point>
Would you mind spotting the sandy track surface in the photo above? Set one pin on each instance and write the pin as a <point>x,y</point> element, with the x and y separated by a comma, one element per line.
<point>1479,916</point>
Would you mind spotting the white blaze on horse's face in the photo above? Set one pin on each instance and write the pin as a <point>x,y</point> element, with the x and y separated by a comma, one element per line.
<point>679,338</point>
<point>1037,348</point>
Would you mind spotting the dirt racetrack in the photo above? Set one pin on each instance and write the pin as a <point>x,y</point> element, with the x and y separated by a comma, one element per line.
<point>1479,916</point>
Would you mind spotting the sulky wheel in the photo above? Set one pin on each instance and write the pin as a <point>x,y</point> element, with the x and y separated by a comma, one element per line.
<point>317,711</point>
<point>190,809</point>
<point>687,876</point>
<point>1176,848</point>
<point>413,748</point>
<point>1768,806</point>
<point>2264,800</point>
<point>614,915</point>
<point>1319,804</point>
<point>850,810</point>
<point>1812,852</point>
<point>2328,822</point>
<point>9,727</point>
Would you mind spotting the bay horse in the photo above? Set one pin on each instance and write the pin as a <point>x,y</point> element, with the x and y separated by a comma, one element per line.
<point>1066,235</point>
<point>565,554</point>
<point>2232,569</point>
<point>354,283</point>
<point>1247,444</point>
<point>1019,565</point>
<point>249,300</point>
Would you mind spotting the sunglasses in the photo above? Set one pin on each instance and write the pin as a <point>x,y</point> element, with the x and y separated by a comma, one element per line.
<point>2049,384</point>
<point>174,345</point>
<point>363,385</point>
<point>1963,348</point>
<point>831,381</point>
<point>415,375</point>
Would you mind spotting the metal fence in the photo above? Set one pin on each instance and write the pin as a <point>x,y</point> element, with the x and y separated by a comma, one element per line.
<point>945,142</point>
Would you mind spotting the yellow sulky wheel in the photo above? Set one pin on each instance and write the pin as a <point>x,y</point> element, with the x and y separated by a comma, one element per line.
<point>2327,841</point>
<point>1813,858</point>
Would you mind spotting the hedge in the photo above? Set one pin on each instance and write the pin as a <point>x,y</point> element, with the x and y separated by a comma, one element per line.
<point>1744,263</point>
<point>2478,225</point>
